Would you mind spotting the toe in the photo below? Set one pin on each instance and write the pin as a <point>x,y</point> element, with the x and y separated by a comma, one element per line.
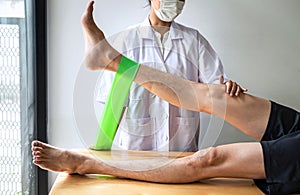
<point>38,144</point>
<point>35,143</point>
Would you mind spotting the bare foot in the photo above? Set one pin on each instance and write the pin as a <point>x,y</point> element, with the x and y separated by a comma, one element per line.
<point>98,52</point>
<point>55,159</point>
<point>92,33</point>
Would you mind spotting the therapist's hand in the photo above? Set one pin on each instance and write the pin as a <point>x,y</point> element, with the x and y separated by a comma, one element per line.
<point>232,88</point>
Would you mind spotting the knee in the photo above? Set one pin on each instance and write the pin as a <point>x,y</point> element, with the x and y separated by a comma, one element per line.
<point>214,157</point>
<point>208,158</point>
<point>203,163</point>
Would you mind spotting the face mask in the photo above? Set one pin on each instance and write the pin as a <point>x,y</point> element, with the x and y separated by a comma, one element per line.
<point>169,10</point>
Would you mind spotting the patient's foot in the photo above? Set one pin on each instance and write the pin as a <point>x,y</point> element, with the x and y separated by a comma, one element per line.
<point>54,159</point>
<point>98,52</point>
<point>92,33</point>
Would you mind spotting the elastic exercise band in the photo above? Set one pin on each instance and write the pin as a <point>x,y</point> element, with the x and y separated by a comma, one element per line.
<point>115,103</point>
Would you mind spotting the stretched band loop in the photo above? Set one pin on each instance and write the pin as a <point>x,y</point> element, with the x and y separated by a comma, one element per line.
<point>113,108</point>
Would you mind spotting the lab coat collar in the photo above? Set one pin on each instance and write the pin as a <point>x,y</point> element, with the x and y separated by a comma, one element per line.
<point>146,32</point>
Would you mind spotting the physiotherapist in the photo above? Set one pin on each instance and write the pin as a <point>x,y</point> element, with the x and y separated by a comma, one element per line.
<point>148,122</point>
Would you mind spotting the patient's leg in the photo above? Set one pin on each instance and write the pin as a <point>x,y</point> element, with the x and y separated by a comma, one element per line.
<point>235,160</point>
<point>248,113</point>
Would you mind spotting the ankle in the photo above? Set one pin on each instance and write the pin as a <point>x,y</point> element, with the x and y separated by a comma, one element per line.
<point>82,165</point>
<point>113,66</point>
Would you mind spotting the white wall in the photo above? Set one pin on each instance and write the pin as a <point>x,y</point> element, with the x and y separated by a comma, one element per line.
<point>258,42</point>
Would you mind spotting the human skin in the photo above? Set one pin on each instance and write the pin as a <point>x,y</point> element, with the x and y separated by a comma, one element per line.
<point>212,162</point>
<point>246,112</point>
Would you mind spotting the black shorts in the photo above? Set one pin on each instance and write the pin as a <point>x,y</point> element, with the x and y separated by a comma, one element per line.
<point>281,151</point>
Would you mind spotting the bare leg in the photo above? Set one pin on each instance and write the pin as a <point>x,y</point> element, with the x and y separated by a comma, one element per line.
<point>241,160</point>
<point>248,113</point>
<point>235,160</point>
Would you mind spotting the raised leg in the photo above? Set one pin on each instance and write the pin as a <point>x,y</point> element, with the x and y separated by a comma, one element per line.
<point>248,113</point>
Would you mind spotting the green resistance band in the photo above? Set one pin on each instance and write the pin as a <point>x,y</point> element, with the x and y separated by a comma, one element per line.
<point>115,103</point>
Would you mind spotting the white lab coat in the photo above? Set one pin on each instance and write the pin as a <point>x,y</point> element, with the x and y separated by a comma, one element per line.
<point>149,123</point>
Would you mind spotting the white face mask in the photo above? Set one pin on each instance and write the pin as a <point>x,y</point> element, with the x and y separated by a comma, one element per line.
<point>169,10</point>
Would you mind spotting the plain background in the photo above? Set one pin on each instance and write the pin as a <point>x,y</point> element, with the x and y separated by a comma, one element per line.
<point>257,41</point>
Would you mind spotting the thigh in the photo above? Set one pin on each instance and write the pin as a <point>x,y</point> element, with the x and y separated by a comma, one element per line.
<point>242,160</point>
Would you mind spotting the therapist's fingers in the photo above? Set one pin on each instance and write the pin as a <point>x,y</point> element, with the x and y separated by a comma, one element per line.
<point>238,90</point>
<point>228,86</point>
<point>221,79</point>
<point>244,90</point>
<point>234,88</point>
